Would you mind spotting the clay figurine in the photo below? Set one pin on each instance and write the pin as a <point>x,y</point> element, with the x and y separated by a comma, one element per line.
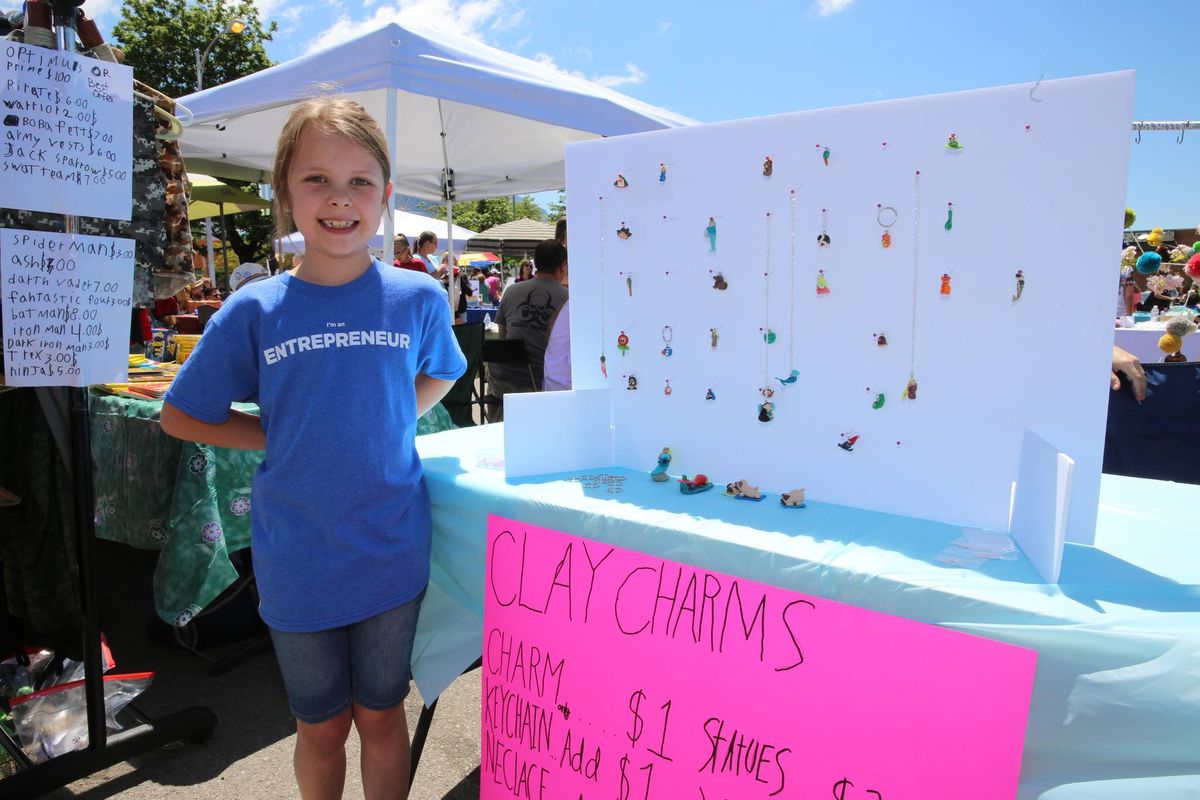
<point>743,491</point>
<point>792,499</point>
<point>659,473</point>
<point>694,485</point>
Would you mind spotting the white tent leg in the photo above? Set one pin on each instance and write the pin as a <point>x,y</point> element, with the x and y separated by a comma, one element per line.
<point>389,222</point>
<point>452,284</point>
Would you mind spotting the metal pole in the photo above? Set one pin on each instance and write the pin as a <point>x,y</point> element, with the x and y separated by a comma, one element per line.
<point>448,198</point>
<point>389,223</point>
<point>224,243</point>
<point>84,493</point>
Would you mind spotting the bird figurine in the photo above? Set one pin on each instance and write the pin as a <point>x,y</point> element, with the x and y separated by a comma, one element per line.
<point>790,379</point>
<point>1020,276</point>
<point>659,473</point>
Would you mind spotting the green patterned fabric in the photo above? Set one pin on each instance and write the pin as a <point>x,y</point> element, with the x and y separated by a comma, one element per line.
<point>191,501</point>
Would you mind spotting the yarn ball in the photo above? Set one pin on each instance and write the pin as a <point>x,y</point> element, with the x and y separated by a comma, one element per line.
<point>1180,326</point>
<point>1193,265</point>
<point>1154,238</point>
<point>1130,217</point>
<point>1196,246</point>
<point>1148,263</point>
<point>1170,343</point>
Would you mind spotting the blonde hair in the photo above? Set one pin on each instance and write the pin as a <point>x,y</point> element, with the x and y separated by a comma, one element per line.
<point>331,115</point>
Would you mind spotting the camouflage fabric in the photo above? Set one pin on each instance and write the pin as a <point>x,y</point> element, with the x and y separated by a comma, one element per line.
<point>149,205</point>
<point>190,501</point>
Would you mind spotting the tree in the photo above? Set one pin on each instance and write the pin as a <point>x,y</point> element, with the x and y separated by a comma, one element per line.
<point>479,215</point>
<point>160,39</point>
<point>558,208</point>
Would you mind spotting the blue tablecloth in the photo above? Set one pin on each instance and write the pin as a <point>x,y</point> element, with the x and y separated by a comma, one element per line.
<point>1116,704</point>
<point>477,313</point>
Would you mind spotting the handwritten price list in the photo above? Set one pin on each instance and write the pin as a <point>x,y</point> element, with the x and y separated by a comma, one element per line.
<point>66,306</point>
<point>612,675</point>
<point>67,125</point>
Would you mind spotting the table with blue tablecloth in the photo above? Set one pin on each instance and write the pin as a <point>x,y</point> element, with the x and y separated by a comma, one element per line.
<point>1115,710</point>
<point>478,313</point>
<point>190,501</point>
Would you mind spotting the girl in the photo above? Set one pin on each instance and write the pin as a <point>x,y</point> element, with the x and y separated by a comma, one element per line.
<point>342,354</point>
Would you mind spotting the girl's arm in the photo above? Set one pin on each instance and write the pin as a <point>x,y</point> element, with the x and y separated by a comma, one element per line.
<point>241,431</point>
<point>429,392</point>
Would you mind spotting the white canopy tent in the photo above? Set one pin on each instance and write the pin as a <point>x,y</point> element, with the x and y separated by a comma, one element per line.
<point>463,120</point>
<point>410,224</point>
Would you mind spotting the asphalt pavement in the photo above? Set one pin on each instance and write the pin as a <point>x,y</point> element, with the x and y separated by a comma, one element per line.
<point>250,753</point>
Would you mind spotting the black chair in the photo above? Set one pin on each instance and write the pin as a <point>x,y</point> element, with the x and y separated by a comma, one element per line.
<point>510,352</point>
<point>204,314</point>
<point>464,395</point>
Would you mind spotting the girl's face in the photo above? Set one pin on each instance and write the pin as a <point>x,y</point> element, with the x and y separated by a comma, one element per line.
<point>428,248</point>
<point>338,194</point>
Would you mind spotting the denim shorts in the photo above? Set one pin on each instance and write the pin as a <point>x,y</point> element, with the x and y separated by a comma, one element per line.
<point>366,663</point>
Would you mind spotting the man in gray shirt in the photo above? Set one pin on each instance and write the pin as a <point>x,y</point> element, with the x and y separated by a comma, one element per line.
<point>525,312</point>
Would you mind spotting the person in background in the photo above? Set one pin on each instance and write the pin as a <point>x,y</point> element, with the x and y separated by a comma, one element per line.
<point>524,314</point>
<point>1127,294</point>
<point>557,366</point>
<point>479,286</point>
<point>493,285</point>
<point>526,271</point>
<point>402,255</point>
<point>341,535</point>
<point>427,244</point>
<point>210,293</point>
<point>1129,365</point>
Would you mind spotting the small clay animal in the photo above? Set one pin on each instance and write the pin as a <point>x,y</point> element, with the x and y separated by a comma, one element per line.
<point>793,498</point>
<point>743,489</point>
<point>719,282</point>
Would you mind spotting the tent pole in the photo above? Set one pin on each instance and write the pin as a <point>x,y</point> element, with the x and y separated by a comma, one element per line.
<point>389,222</point>
<point>212,267</point>
<point>224,242</point>
<point>448,198</point>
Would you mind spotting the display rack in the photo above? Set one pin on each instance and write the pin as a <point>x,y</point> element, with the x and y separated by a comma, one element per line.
<point>195,723</point>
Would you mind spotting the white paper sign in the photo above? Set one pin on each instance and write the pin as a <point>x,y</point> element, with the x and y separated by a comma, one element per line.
<point>67,301</point>
<point>716,264</point>
<point>68,133</point>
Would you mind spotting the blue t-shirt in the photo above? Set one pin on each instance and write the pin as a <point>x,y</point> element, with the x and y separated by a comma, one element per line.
<point>341,523</point>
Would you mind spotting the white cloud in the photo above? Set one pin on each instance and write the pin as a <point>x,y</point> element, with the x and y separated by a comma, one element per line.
<point>464,17</point>
<point>827,8</point>
<point>663,27</point>
<point>547,60</point>
<point>105,12</point>
<point>266,8</point>
<point>633,75</point>
<point>292,13</point>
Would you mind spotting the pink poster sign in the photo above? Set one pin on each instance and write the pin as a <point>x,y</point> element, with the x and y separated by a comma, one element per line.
<point>610,674</point>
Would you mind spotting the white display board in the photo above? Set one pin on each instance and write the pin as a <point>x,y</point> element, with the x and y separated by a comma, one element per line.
<point>68,133</point>
<point>66,308</point>
<point>1034,184</point>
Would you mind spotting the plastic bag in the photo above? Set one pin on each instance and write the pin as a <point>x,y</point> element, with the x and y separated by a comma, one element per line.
<point>54,721</point>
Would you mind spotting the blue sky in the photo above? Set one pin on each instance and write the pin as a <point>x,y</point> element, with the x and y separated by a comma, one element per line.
<point>716,61</point>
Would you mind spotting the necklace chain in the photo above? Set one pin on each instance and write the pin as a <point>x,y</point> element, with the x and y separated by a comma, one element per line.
<point>912,362</point>
<point>603,333</point>
<point>792,290</point>
<point>767,307</point>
